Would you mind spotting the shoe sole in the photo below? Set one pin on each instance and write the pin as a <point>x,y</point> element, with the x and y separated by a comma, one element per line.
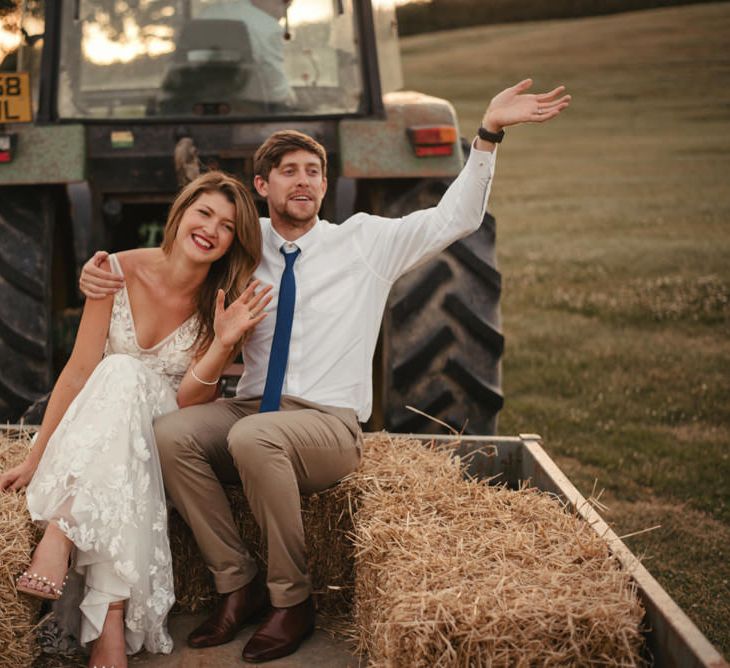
<point>279,655</point>
<point>255,618</point>
<point>37,594</point>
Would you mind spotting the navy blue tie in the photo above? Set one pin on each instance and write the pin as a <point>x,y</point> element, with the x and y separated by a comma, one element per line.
<point>282,334</point>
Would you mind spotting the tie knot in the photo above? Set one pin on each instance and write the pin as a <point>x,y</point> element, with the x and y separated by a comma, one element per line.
<point>290,257</point>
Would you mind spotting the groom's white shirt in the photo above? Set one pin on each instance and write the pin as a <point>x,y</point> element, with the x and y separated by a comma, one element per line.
<point>343,276</point>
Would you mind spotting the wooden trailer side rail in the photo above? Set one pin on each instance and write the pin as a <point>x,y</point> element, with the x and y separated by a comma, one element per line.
<point>671,637</point>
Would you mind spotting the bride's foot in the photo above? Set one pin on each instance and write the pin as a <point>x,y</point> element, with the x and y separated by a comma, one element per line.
<point>46,575</point>
<point>109,649</point>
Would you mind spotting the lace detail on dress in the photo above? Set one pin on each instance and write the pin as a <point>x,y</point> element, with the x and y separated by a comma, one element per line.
<point>171,357</point>
<point>100,481</point>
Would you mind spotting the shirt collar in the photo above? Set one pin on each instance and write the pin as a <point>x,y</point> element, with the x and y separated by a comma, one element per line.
<point>275,241</point>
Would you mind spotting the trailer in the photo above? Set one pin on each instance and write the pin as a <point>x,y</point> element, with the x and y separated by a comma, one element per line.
<point>672,639</point>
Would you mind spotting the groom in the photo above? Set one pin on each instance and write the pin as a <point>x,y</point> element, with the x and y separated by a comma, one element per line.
<point>293,427</point>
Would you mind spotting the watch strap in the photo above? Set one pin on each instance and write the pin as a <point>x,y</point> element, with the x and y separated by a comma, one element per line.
<point>486,135</point>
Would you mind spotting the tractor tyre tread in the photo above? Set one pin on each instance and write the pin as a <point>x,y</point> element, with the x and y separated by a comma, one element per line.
<point>26,229</point>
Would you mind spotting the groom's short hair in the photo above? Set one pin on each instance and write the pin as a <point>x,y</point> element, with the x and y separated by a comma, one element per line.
<point>271,152</point>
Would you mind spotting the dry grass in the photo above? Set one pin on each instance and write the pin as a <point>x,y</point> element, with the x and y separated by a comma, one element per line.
<point>703,299</point>
<point>450,571</point>
<point>327,521</point>
<point>455,572</point>
<point>18,536</point>
<point>613,242</point>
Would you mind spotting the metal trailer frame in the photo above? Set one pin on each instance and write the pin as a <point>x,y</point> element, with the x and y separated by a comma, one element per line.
<point>672,639</point>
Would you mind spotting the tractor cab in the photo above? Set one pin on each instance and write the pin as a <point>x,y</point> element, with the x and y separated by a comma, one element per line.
<point>204,60</point>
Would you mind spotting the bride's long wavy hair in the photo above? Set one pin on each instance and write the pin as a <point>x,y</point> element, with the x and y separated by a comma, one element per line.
<point>232,272</point>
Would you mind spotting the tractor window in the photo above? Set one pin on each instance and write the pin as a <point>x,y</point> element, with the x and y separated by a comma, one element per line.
<point>208,58</point>
<point>386,33</point>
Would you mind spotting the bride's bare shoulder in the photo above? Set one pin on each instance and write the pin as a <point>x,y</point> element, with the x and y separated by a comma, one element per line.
<point>138,260</point>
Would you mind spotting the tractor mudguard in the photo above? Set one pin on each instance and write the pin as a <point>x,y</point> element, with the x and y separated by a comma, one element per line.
<point>46,154</point>
<point>380,148</point>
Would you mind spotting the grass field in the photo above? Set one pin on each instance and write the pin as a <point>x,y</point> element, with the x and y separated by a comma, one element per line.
<point>614,244</point>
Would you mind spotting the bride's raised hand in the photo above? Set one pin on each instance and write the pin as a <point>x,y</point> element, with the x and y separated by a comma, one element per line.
<point>242,315</point>
<point>17,477</point>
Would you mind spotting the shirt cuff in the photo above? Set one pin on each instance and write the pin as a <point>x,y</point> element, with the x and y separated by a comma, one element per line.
<point>481,160</point>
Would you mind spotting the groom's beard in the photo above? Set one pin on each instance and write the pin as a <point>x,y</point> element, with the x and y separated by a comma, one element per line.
<point>295,214</point>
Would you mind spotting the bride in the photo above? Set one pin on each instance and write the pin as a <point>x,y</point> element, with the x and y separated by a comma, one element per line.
<point>93,474</point>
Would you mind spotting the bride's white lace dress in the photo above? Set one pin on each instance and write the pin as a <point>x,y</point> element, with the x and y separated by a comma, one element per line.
<point>100,480</point>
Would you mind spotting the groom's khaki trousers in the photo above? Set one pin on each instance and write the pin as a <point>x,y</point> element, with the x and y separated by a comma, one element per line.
<point>301,449</point>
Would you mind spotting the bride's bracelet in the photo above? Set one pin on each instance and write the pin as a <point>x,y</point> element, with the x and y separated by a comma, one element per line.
<point>200,380</point>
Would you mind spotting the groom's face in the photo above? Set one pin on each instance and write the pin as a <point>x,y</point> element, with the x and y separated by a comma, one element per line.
<point>295,188</point>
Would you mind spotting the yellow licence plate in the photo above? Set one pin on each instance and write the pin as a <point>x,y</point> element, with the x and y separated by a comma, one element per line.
<point>15,105</point>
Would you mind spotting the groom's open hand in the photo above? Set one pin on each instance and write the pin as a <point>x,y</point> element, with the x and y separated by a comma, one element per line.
<point>241,316</point>
<point>514,105</point>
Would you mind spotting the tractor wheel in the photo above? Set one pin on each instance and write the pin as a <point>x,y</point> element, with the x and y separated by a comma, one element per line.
<point>441,342</point>
<point>26,229</point>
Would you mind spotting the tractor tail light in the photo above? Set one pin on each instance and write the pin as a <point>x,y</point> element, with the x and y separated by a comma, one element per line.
<point>7,147</point>
<point>432,140</point>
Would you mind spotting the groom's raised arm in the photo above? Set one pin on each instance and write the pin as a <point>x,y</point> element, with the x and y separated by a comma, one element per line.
<point>393,246</point>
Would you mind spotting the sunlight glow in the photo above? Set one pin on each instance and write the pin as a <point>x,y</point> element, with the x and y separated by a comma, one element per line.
<point>305,12</point>
<point>8,41</point>
<point>320,11</point>
<point>101,50</point>
<point>10,38</point>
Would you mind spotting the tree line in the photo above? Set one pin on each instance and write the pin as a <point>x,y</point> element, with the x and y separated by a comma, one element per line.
<point>431,15</point>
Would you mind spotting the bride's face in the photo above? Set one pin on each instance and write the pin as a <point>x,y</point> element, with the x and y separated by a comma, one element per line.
<point>207,228</point>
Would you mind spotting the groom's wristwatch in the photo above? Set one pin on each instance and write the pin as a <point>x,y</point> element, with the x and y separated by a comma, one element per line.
<point>486,135</point>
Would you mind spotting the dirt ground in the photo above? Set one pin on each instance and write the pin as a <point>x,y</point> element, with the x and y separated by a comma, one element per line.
<point>614,244</point>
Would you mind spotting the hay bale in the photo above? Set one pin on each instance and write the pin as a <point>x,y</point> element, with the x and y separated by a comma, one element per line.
<point>326,517</point>
<point>194,589</point>
<point>327,524</point>
<point>18,537</point>
<point>444,571</point>
<point>455,572</point>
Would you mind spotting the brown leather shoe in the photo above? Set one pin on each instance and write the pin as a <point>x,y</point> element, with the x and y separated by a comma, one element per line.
<point>232,613</point>
<point>282,632</point>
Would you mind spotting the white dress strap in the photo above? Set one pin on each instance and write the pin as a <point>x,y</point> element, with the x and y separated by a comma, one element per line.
<point>116,265</point>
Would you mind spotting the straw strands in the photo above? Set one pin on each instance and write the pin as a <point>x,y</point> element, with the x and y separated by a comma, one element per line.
<point>327,523</point>
<point>444,571</point>
<point>455,572</point>
<point>18,537</point>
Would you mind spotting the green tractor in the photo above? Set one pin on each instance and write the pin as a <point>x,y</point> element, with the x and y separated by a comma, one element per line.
<point>107,106</point>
